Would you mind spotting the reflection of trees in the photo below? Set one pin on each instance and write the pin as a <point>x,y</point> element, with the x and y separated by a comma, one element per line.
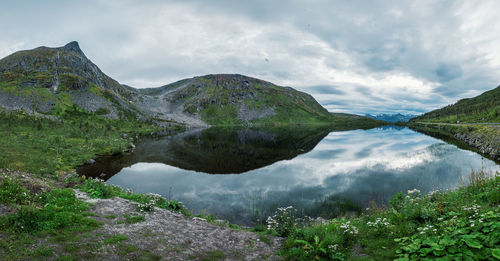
<point>215,150</point>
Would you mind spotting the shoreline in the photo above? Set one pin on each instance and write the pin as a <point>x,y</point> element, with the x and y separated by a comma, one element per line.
<point>483,139</point>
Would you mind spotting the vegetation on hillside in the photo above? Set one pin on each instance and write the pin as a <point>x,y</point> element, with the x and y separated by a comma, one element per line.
<point>482,108</point>
<point>224,100</point>
<point>345,121</point>
<point>48,146</point>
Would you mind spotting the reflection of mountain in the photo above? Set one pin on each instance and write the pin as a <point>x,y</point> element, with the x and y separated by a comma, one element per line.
<point>398,117</point>
<point>215,150</point>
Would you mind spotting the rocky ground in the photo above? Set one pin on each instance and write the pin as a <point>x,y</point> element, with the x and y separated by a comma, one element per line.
<point>486,143</point>
<point>129,234</point>
<point>174,236</point>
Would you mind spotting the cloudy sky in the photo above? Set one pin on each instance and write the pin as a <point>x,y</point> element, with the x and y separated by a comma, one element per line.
<point>352,56</point>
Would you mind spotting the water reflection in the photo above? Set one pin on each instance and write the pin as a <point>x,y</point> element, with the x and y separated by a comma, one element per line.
<point>360,165</point>
<point>214,150</point>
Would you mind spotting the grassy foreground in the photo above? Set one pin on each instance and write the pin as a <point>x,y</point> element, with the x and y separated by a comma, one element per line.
<point>43,219</point>
<point>459,225</point>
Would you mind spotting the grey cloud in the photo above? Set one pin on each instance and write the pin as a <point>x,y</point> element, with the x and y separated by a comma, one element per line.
<point>423,39</point>
<point>325,89</point>
<point>448,72</point>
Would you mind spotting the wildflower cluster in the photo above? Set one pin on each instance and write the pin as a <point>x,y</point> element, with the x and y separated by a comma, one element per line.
<point>333,247</point>
<point>283,221</point>
<point>475,213</point>
<point>349,228</point>
<point>413,191</point>
<point>150,205</point>
<point>379,222</point>
<point>432,193</point>
<point>426,229</point>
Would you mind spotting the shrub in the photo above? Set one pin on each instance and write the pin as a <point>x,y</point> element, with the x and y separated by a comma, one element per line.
<point>56,209</point>
<point>98,189</point>
<point>473,237</point>
<point>283,221</point>
<point>12,192</point>
<point>331,241</point>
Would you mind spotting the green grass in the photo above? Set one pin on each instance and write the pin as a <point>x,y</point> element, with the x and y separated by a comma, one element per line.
<point>221,115</point>
<point>115,239</point>
<point>56,215</point>
<point>133,219</point>
<point>463,225</point>
<point>50,148</point>
<point>212,256</point>
<point>98,189</point>
<point>48,212</point>
<point>264,238</point>
<point>44,146</point>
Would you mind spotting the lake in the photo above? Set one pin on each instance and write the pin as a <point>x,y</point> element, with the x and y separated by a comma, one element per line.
<point>243,175</point>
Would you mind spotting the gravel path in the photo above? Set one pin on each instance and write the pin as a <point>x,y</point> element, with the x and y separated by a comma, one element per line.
<point>174,236</point>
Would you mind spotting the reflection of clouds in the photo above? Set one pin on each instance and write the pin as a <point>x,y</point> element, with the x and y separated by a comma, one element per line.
<point>393,160</point>
<point>142,167</point>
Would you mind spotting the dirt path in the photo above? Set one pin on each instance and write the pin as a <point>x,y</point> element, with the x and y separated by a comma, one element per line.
<point>167,235</point>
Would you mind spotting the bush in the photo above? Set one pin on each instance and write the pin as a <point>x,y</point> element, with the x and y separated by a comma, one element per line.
<point>473,237</point>
<point>283,221</point>
<point>12,192</point>
<point>331,241</point>
<point>56,209</point>
<point>98,189</point>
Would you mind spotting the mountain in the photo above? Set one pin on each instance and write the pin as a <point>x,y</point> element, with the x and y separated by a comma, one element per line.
<point>398,117</point>
<point>60,81</point>
<point>230,99</point>
<point>52,80</point>
<point>483,108</point>
<point>346,121</point>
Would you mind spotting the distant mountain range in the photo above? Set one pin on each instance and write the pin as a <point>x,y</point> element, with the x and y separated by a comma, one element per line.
<point>398,117</point>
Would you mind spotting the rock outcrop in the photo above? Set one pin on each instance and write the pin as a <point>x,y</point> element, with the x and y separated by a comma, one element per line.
<point>485,145</point>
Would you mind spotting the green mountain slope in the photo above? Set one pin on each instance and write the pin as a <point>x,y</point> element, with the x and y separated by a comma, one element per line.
<point>345,121</point>
<point>232,99</point>
<point>482,108</point>
<point>55,81</point>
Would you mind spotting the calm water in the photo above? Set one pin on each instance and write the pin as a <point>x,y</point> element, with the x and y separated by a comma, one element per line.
<point>241,175</point>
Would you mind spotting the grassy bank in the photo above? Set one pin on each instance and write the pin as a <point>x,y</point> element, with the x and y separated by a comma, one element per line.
<point>459,225</point>
<point>47,146</point>
<point>482,138</point>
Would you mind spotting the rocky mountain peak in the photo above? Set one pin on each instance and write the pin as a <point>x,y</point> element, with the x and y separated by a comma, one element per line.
<point>73,47</point>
